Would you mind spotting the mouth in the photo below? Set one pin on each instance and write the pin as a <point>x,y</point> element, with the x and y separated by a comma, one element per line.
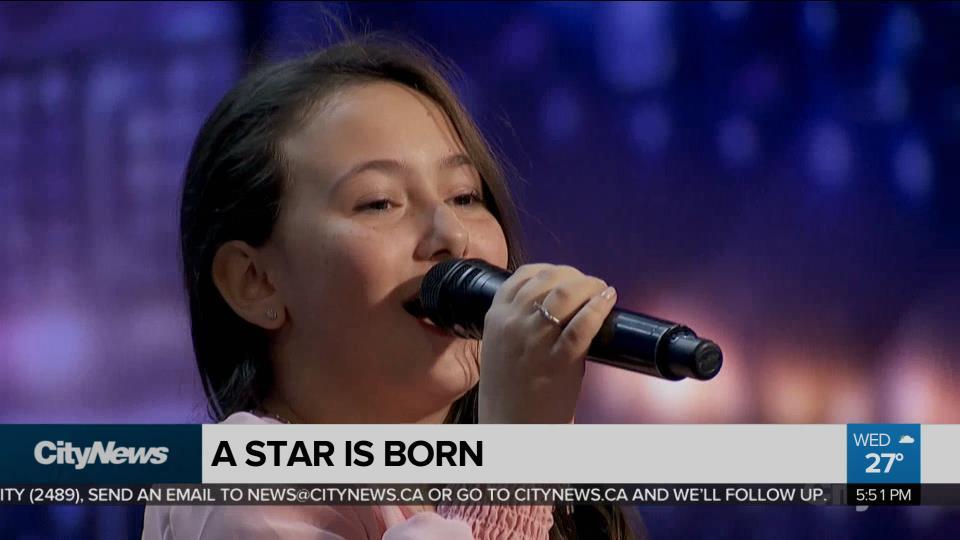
<point>415,309</point>
<point>413,306</point>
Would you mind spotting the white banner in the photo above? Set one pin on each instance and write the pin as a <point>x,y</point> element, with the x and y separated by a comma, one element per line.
<point>529,454</point>
<point>940,454</point>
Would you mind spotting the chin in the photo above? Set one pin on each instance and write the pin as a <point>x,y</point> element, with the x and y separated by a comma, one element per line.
<point>454,373</point>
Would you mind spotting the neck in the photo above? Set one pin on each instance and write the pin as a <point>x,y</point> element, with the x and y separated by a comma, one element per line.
<point>343,395</point>
<point>290,410</point>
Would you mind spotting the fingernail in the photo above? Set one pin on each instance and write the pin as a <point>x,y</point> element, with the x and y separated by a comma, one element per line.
<point>608,293</point>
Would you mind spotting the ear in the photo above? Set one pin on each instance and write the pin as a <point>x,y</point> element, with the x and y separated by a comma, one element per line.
<point>241,277</point>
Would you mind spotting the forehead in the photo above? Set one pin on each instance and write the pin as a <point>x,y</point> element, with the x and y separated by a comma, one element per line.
<point>377,120</point>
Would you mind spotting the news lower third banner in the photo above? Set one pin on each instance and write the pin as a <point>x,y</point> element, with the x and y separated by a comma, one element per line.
<point>856,464</point>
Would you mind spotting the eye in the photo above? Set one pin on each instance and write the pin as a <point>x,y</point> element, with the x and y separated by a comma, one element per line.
<point>379,205</point>
<point>467,199</point>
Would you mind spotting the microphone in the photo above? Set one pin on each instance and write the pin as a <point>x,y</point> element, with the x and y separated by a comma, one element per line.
<point>457,293</point>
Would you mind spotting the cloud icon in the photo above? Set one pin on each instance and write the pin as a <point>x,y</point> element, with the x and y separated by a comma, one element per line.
<point>906,439</point>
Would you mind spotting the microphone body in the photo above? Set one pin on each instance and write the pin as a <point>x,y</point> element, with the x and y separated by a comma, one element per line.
<point>456,295</point>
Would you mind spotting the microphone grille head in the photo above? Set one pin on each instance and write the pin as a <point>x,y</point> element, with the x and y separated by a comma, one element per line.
<point>433,282</point>
<point>457,293</point>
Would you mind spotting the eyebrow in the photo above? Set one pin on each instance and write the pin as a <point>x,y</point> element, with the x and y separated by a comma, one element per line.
<point>455,160</point>
<point>393,166</point>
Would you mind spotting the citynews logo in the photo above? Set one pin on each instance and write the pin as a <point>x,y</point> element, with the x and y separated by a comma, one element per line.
<point>48,453</point>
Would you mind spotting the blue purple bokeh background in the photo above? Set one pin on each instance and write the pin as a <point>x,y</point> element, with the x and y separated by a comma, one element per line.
<point>781,177</point>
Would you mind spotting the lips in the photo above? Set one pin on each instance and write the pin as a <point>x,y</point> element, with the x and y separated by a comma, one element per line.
<point>416,310</point>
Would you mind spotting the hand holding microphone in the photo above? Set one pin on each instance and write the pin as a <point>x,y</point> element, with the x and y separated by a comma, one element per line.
<point>531,366</point>
<point>539,324</point>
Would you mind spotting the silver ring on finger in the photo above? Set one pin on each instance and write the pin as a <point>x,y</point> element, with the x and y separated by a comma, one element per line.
<point>546,314</point>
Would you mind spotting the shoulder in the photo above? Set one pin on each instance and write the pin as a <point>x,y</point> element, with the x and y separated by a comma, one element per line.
<point>244,417</point>
<point>293,522</point>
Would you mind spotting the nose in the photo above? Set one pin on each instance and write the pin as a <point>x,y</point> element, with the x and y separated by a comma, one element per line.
<point>446,237</point>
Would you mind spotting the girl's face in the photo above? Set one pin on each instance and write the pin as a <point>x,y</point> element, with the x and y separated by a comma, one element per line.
<point>381,189</point>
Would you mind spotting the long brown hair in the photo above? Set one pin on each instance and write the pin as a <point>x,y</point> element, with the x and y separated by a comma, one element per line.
<point>233,187</point>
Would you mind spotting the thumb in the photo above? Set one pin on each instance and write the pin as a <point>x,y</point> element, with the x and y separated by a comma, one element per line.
<point>392,515</point>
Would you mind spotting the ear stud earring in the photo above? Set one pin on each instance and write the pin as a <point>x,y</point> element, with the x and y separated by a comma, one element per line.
<point>271,314</point>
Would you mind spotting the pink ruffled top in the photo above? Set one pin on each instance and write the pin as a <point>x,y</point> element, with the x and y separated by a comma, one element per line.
<point>386,522</point>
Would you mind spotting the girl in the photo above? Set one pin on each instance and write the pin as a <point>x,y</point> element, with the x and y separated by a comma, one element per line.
<point>318,194</point>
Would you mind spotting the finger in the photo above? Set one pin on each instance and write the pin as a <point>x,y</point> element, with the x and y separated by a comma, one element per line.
<point>392,515</point>
<point>536,288</point>
<point>509,289</point>
<point>569,296</point>
<point>409,511</point>
<point>575,339</point>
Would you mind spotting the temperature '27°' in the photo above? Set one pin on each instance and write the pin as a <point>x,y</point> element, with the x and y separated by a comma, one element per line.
<point>877,459</point>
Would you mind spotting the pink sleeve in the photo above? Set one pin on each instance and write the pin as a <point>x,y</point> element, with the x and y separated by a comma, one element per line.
<point>503,522</point>
<point>288,522</point>
<point>423,526</point>
<point>346,523</point>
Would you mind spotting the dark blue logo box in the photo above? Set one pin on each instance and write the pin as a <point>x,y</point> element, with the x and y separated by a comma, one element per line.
<point>18,462</point>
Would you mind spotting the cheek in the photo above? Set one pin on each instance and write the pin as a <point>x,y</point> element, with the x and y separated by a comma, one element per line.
<point>341,265</point>
<point>489,243</point>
